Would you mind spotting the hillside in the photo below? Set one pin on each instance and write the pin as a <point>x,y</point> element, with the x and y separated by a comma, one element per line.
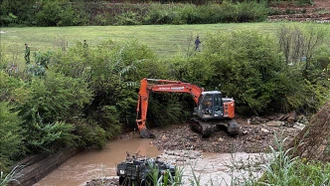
<point>288,11</point>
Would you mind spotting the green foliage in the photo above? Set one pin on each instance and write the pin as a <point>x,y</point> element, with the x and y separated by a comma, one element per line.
<point>12,89</point>
<point>309,75</point>
<point>287,170</point>
<point>91,134</point>
<point>171,107</point>
<point>55,101</point>
<point>251,12</point>
<point>209,13</point>
<point>128,18</point>
<point>188,14</point>
<point>165,178</point>
<point>111,71</point>
<point>16,12</point>
<point>10,178</point>
<point>160,14</point>
<point>52,137</point>
<point>11,141</point>
<point>241,71</point>
<point>56,13</point>
<point>66,13</point>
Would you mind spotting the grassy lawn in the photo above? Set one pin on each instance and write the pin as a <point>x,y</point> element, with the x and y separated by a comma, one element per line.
<point>165,40</point>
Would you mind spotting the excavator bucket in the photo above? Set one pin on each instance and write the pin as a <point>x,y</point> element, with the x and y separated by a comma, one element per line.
<point>146,133</point>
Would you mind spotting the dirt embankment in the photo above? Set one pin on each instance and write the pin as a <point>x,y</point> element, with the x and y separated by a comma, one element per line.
<point>319,11</point>
<point>313,143</point>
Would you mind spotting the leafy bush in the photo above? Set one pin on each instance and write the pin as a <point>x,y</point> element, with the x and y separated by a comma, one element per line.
<point>56,13</point>
<point>159,14</point>
<point>287,170</point>
<point>11,141</point>
<point>51,137</point>
<point>12,89</point>
<point>188,14</point>
<point>128,18</point>
<point>66,13</point>
<point>226,13</point>
<point>54,102</point>
<point>91,135</point>
<point>309,42</point>
<point>241,71</point>
<point>15,13</point>
<point>251,12</point>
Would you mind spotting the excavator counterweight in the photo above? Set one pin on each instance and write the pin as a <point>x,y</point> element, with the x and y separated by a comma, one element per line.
<point>212,110</point>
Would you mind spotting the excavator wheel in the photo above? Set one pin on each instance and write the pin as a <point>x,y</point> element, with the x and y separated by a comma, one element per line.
<point>202,128</point>
<point>145,133</point>
<point>233,127</point>
<point>206,128</point>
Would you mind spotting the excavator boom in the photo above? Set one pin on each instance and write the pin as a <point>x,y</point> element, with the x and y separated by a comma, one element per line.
<point>159,85</point>
<point>210,106</point>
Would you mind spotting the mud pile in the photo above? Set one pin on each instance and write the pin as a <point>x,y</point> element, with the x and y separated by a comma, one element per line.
<point>313,142</point>
<point>105,181</point>
<point>256,135</point>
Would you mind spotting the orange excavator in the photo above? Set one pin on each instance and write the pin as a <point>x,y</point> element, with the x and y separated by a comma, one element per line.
<point>211,111</point>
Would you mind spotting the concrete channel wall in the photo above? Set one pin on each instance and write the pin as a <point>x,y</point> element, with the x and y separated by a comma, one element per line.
<point>36,167</point>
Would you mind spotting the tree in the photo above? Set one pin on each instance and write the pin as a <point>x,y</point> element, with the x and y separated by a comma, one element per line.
<point>299,43</point>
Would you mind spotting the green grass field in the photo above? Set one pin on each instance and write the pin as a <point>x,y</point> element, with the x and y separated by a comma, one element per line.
<point>165,40</point>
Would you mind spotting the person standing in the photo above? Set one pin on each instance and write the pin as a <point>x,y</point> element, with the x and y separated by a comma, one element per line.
<point>27,53</point>
<point>197,43</point>
<point>85,44</point>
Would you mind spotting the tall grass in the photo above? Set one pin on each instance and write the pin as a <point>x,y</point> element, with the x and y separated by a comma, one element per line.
<point>11,177</point>
<point>285,169</point>
<point>164,177</point>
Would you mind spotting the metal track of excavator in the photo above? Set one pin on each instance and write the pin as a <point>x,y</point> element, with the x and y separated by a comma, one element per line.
<point>206,128</point>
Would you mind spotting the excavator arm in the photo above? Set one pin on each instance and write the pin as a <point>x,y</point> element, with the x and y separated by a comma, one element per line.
<point>159,85</point>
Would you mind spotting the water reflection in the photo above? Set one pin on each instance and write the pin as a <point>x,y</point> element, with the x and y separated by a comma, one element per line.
<point>94,164</point>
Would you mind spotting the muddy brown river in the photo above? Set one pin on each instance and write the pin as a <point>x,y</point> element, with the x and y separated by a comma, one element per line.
<point>218,168</point>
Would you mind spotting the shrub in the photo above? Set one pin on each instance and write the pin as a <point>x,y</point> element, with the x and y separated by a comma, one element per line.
<point>54,102</point>
<point>251,12</point>
<point>11,141</point>
<point>56,13</point>
<point>128,18</point>
<point>51,137</point>
<point>287,170</point>
<point>66,13</point>
<point>15,12</point>
<point>188,14</point>
<point>241,71</point>
<point>160,14</point>
<point>91,135</point>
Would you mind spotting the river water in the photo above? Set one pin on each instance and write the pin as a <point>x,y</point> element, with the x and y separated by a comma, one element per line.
<point>222,169</point>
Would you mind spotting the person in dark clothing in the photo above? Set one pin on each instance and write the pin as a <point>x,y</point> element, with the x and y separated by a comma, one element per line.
<point>197,42</point>
<point>27,54</point>
<point>85,44</point>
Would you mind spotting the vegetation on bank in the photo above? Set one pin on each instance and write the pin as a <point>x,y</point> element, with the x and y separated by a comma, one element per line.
<point>79,13</point>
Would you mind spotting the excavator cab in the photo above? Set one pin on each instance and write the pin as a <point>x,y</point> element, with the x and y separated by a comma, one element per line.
<point>213,111</point>
<point>210,106</point>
